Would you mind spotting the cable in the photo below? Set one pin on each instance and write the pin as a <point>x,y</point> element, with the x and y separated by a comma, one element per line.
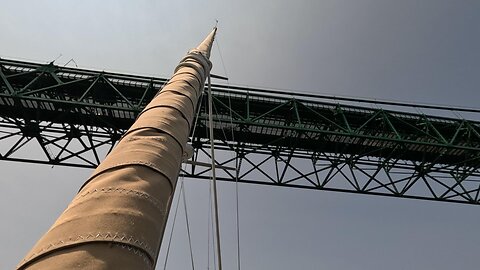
<point>187,223</point>
<point>236,157</point>
<point>212,228</point>
<point>197,114</point>
<point>236,179</point>
<point>214,179</point>
<point>171,232</point>
<point>238,214</point>
<point>208,224</point>
<point>221,59</point>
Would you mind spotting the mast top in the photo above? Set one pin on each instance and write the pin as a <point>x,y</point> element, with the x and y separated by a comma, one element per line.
<point>206,46</point>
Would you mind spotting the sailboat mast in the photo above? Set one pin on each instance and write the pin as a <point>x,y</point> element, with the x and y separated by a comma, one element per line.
<point>117,219</point>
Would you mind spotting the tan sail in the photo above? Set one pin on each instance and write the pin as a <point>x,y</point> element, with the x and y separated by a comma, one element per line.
<point>117,219</point>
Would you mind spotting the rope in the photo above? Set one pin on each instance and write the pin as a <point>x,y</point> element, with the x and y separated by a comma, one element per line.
<point>181,194</point>
<point>171,232</point>
<point>187,223</point>
<point>237,221</point>
<point>208,224</point>
<point>237,215</point>
<point>197,114</point>
<point>211,216</point>
<point>214,179</point>
<point>221,59</point>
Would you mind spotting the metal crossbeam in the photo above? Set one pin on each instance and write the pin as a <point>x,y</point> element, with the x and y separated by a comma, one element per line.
<point>74,117</point>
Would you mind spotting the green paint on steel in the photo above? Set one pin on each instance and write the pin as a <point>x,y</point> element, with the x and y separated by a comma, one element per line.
<point>275,138</point>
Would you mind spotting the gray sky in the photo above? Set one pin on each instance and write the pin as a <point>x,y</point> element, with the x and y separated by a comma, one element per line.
<point>418,51</point>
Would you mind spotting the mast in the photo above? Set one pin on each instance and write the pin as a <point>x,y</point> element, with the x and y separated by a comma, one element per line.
<point>117,219</point>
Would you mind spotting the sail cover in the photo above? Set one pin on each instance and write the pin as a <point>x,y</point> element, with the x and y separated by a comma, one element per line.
<point>117,219</point>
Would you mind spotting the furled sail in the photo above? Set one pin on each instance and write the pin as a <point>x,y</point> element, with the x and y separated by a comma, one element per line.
<point>117,219</point>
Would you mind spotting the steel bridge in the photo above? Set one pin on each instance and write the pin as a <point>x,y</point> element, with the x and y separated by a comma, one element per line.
<point>73,117</point>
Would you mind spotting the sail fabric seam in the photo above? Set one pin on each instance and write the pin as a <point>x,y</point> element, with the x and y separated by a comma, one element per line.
<point>177,92</point>
<point>187,82</point>
<point>138,157</point>
<point>106,170</point>
<point>137,193</point>
<point>91,237</point>
<point>192,65</point>
<point>160,131</point>
<point>137,252</point>
<point>162,106</point>
<point>202,60</point>
<point>176,80</point>
<point>182,73</point>
<point>149,165</point>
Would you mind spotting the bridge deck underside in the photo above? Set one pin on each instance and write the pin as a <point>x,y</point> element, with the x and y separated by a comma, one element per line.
<point>74,117</point>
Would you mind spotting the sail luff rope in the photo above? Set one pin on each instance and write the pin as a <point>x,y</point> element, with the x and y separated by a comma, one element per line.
<point>214,178</point>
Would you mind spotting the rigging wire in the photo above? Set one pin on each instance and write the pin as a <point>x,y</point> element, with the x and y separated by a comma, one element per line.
<point>208,224</point>
<point>237,215</point>
<point>181,193</point>
<point>221,59</point>
<point>186,222</point>
<point>210,229</point>
<point>237,211</point>
<point>237,219</point>
<point>183,185</point>
<point>214,179</point>
<point>197,115</point>
<point>171,232</point>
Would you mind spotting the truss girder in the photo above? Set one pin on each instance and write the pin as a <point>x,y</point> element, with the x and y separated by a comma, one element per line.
<point>74,117</point>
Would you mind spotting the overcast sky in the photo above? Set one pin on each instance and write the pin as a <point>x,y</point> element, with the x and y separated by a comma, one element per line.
<point>417,51</point>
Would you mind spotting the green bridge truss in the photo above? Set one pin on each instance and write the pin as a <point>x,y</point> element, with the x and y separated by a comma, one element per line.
<point>73,117</point>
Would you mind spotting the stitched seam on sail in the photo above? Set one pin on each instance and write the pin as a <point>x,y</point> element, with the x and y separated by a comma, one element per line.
<point>140,194</point>
<point>140,253</point>
<point>200,59</point>
<point>160,131</point>
<point>178,92</point>
<point>168,106</point>
<point>180,81</point>
<point>130,163</point>
<point>93,237</point>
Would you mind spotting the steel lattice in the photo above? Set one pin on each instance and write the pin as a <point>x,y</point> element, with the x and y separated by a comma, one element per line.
<point>74,117</point>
